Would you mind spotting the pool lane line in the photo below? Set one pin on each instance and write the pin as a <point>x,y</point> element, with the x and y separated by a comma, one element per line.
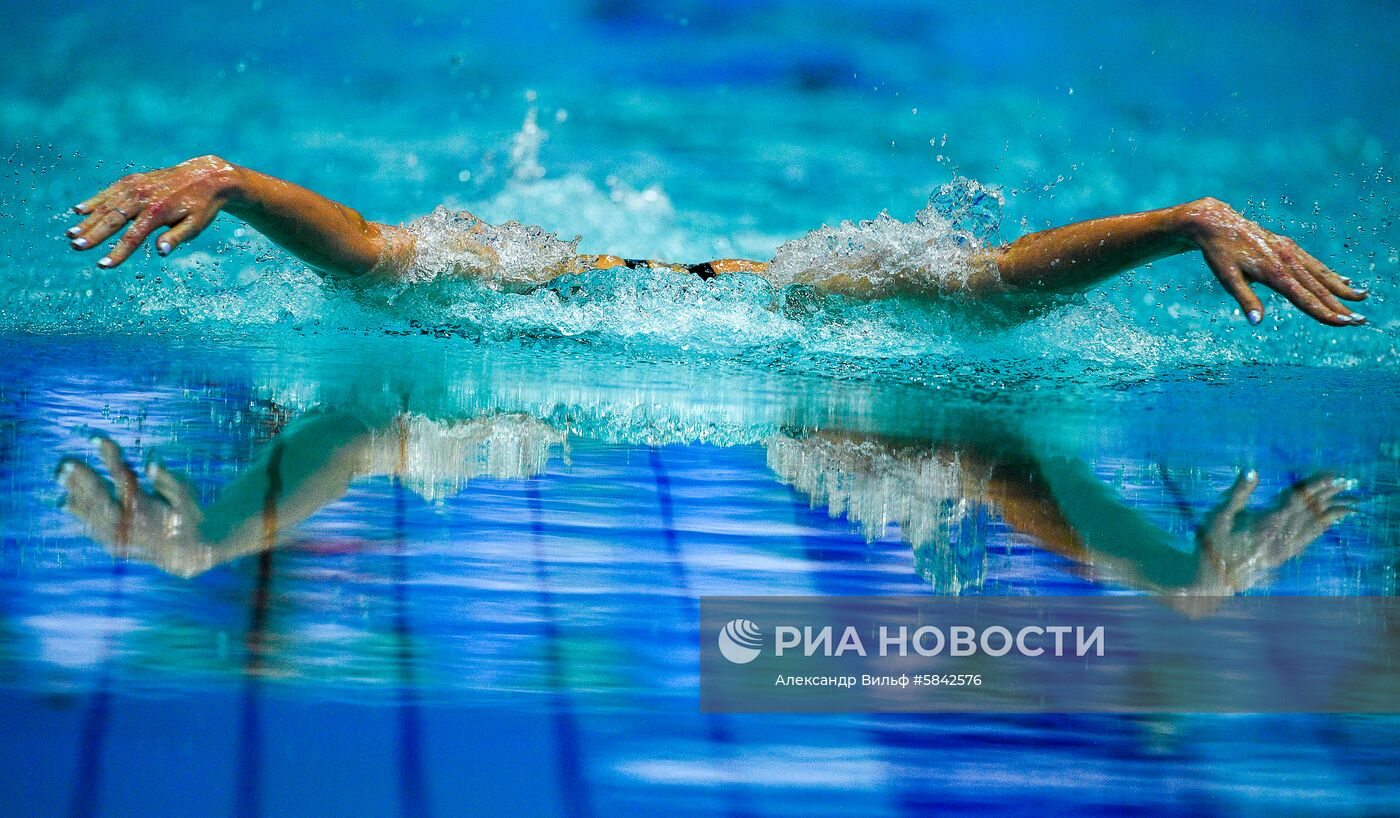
<point>247,792</point>
<point>87,785</point>
<point>573,788</point>
<point>413,786</point>
<point>717,726</point>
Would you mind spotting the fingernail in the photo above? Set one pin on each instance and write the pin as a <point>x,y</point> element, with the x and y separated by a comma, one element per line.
<point>1345,280</point>
<point>64,470</point>
<point>1251,475</point>
<point>80,243</point>
<point>96,440</point>
<point>1357,317</point>
<point>1345,317</point>
<point>105,261</point>
<point>73,231</point>
<point>163,248</point>
<point>77,208</point>
<point>1254,317</point>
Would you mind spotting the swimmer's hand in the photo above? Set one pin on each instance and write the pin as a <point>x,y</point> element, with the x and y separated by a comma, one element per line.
<point>161,526</point>
<point>1240,252</point>
<point>330,237</point>
<point>185,197</point>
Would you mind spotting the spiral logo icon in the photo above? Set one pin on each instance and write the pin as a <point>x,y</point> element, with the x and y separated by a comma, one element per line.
<point>740,641</point>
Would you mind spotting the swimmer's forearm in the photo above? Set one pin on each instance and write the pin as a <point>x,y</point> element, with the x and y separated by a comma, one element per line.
<point>327,235</point>
<point>1081,254</point>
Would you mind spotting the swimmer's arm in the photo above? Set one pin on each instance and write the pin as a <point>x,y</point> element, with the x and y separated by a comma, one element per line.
<point>309,465</point>
<point>1238,251</point>
<point>330,237</point>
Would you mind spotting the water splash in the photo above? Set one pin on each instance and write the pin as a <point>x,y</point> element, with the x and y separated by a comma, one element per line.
<point>874,485</point>
<point>511,256</point>
<point>525,145</point>
<point>884,256</point>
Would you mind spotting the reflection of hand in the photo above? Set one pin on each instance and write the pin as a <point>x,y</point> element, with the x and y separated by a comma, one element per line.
<point>1240,546</point>
<point>160,527</point>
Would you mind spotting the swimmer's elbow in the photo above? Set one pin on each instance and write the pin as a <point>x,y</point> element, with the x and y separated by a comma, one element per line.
<point>379,252</point>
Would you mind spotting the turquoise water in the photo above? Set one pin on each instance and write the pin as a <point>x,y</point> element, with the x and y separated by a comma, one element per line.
<point>493,608</point>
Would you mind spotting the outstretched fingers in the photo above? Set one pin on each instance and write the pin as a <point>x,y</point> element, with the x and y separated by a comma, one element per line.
<point>1238,497</point>
<point>123,476</point>
<point>1325,296</point>
<point>105,220</point>
<point>1292,263</point>
<point>90,497</point>
<point>174,489</point>
<point>1337,285</point>
<point>86,206</point>
<point>1336,514</point>
<point>1304,299</point>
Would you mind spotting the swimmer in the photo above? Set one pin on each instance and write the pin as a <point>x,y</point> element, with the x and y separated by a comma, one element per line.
<point>338,242</point>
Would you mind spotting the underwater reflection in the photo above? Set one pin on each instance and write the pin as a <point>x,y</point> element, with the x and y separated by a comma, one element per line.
<point>929,487</point>
<point>967,459</point>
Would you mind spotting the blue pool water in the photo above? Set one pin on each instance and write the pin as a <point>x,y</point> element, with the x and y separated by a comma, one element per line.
<point>513,502</point>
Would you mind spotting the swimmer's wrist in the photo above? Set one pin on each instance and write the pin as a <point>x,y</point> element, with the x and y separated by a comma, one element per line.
<point>237,186</point>
<point>1194,222</point>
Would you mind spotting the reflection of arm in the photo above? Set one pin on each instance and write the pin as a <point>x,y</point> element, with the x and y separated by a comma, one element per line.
<point>310,464</point>
<point>314,460</point>
<point>876,481</point>
<point>306,467</point>
<point>1061,503</point>
<point>1057,500</point>
<point>301,470</point>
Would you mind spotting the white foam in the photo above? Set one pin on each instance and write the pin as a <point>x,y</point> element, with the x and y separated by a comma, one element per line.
<point>510,256</point>
<point>884,256</point>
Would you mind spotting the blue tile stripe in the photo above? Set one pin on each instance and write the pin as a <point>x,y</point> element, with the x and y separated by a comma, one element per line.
<point>247,791</point>
<point>413,787</point>
<point>87,785</point>
<point>573,788</point>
